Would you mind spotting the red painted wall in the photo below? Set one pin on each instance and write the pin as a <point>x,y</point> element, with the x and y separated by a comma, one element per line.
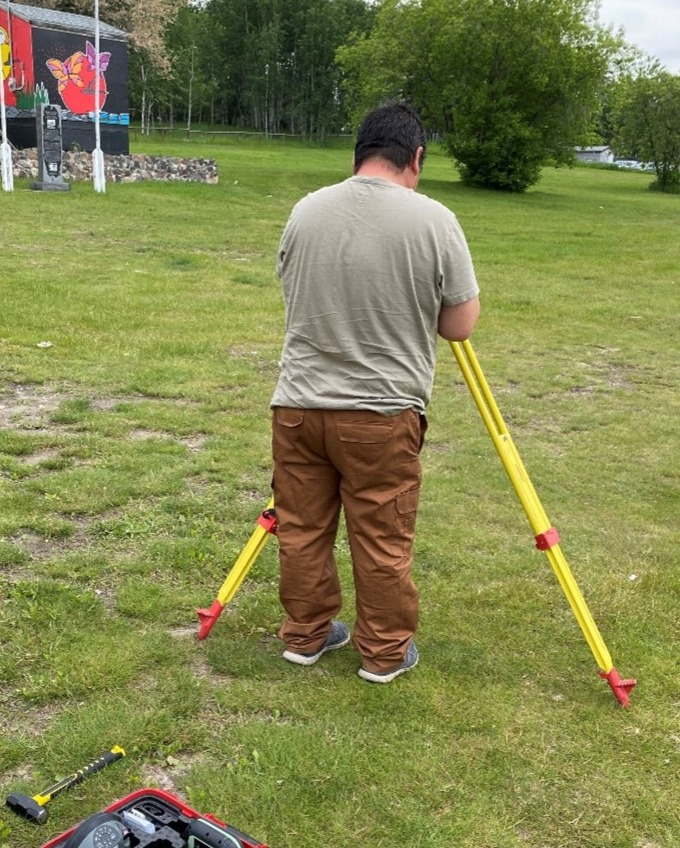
<point>18,38</point>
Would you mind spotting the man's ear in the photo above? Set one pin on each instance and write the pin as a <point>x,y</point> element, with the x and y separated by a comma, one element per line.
<point>419,156</point>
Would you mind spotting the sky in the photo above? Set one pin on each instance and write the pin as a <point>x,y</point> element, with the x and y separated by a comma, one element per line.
<point>652,25</point>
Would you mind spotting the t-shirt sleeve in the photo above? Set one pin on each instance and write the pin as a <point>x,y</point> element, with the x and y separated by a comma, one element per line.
<point>458,281</point>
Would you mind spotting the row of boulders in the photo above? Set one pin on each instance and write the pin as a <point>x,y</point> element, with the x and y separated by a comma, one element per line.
<point>120,168</point>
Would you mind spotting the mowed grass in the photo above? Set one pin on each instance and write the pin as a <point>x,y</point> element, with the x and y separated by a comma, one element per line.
<point>139,337</point>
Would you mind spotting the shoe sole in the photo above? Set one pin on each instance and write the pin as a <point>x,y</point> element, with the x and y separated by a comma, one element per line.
<point>301,659</point>
<point>384,678</point>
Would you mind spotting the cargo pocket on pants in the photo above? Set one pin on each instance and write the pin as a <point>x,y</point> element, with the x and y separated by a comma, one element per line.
<point>407,508</point>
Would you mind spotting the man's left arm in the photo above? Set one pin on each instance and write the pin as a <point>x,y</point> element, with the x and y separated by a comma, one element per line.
<point>456,323</point>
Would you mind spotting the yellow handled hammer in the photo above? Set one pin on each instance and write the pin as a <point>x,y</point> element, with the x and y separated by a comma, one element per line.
<point>34,808</point>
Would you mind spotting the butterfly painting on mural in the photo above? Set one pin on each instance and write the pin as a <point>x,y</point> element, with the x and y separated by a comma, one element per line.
<point>76,78</point>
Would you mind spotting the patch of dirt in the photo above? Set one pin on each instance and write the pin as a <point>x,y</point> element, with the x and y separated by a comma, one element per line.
<point>438,447</point>
<point>41,548</point>
<point>20,719</point>
<point>28,406</point>
<point>10,576</point>
<point>159,778</point>
<point>141,434</point>
<point>250,495</point>
<point>264,716</point>
<point>200,668</point>
<point>183,632</point>
<point>20,774</point>
<point>165,776</point>
<point>108,598</point>
<point>194,443</point>
<point>39,457</point>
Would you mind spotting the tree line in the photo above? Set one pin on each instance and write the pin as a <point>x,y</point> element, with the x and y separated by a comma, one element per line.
<point>265,65</point>
<point>506,84</point>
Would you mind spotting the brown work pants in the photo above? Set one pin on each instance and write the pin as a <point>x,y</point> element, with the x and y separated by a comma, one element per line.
<point>368,464</point>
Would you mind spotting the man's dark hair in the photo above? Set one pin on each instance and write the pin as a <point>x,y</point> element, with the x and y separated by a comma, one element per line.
<point>393,132</point>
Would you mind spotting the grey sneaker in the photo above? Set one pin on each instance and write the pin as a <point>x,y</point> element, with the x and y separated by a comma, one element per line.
<point>410,661</point>
<point>337,638</point>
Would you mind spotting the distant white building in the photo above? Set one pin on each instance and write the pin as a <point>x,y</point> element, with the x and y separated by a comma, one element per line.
<point>594,154</point>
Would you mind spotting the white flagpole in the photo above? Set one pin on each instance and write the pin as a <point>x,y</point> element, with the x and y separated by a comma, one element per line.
<point>5,149</point>
<point>98,174</point>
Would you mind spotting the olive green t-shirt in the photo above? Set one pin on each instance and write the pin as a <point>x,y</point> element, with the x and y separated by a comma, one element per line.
<point>366,266</point>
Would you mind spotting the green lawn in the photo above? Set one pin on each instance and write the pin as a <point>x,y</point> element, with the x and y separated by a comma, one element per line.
<point>139,337</point>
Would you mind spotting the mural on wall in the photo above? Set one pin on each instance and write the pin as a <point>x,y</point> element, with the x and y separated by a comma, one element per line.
<point>77,79</point>
<point>48,57</point>
<point>5,58</point>
<point>16,59</point>
<point>65,63</point>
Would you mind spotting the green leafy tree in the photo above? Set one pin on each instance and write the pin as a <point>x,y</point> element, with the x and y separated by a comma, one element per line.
<point>278,70</point>
<point>318,28</point>
<point>247,40</point>
<point>508,83</point>
<point>648,125</point>
<point>229,25</point>
<point>192,84</point>
<point>628,63</point>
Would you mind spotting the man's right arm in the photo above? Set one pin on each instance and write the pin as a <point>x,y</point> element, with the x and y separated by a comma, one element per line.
<point>456,323</point>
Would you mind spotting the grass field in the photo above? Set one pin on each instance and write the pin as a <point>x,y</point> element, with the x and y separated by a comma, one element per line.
<point>139,338</point>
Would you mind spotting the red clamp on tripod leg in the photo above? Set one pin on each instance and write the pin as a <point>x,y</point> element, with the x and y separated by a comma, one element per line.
<point>267,520</point>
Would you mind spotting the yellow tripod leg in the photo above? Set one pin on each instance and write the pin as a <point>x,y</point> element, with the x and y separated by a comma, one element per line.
<point>266,525</point>
<point>546,537</point>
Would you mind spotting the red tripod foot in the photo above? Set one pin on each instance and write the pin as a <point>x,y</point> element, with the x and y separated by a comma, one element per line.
<point>620,688</point>
<point>208,617</point>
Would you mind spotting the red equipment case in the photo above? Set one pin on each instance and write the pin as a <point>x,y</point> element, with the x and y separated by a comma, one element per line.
<point>174,824</point>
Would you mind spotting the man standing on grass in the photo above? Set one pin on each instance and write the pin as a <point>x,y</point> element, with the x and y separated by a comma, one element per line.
<point>371,272</point>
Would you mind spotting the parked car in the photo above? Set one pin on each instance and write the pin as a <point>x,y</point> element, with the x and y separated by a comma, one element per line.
<point>630,164</point>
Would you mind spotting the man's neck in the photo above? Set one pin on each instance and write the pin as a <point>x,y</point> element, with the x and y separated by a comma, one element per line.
<point>385,171</point>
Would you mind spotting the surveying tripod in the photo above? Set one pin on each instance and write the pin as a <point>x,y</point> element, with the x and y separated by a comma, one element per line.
<point>545,535</point>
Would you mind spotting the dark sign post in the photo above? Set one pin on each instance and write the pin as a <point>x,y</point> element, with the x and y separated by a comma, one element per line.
<point>48,124</point>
